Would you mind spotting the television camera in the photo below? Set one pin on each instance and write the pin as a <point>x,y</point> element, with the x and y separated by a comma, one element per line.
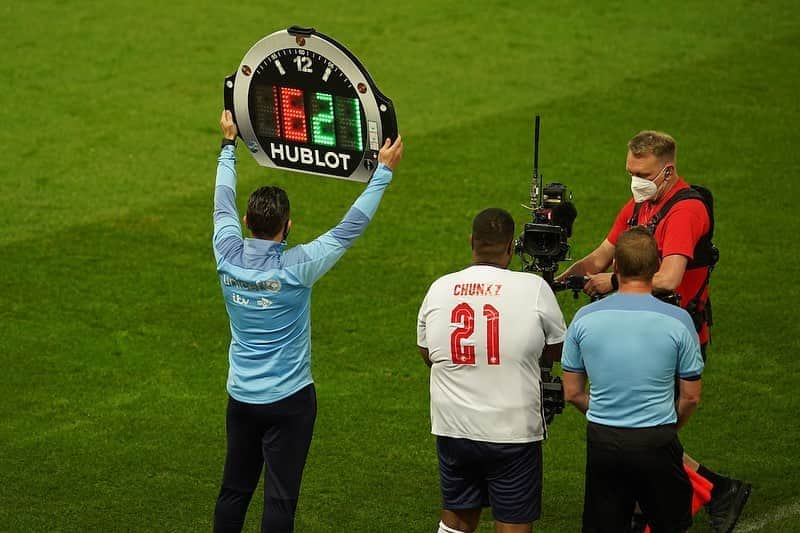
<point>542,245</point>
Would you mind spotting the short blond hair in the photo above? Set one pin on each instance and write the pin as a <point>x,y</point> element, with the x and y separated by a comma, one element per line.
<point>652,142</point>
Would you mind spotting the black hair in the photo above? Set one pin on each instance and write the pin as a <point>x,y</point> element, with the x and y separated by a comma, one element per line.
<point>267,211</point>
<point>492,230</point>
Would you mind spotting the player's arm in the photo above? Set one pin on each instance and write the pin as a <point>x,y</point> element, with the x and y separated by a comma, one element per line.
<point>575,389</point>
<point>227,228</point>
<point>422,332</point>
<point>323,252</point>
<point>688,398</point>
<point>552,352</point>
<point>552,322</point>
<point>426,358</point>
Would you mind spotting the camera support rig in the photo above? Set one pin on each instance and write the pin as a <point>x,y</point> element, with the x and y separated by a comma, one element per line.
<point>543,242</point>
<point>541,246</point>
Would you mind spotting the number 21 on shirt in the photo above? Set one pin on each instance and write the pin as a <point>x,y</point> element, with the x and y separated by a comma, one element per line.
<point>464,315</point>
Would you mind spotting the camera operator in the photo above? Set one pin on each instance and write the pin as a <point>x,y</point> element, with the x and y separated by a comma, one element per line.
<point>629,346</point>
<point>482,331</point>
<point>686,225</point>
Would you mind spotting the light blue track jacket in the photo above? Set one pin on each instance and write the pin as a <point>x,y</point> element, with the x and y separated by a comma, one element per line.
<point>267,289</point>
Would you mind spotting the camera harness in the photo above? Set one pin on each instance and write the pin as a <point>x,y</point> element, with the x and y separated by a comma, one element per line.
<point>706,254</point>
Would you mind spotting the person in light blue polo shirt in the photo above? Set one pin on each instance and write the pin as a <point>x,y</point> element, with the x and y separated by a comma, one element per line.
<point>267,292</point>
<point>633,347</point>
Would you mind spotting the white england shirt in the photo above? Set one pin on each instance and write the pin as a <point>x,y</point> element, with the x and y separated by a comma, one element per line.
<point>485,328</point>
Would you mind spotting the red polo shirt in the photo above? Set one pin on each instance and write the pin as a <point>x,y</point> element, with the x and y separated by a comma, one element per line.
<point>677,233</point>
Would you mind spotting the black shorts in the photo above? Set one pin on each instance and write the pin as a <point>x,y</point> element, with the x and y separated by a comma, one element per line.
<point>625,466</point>
<point>507,477</point>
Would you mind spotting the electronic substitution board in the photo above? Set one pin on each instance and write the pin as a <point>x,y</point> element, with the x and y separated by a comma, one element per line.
<point>304,102</point>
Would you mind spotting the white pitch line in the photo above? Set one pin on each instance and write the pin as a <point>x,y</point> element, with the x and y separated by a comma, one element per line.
<point>780,513</point>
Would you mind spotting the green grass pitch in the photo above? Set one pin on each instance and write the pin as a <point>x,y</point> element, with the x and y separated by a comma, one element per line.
<point>113,334</point>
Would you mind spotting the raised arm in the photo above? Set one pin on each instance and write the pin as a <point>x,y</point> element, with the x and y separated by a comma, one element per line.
<point>227,228</point>
<point>318,256</point>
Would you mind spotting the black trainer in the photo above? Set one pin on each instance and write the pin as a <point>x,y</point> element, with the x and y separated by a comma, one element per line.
<point>724,510</point>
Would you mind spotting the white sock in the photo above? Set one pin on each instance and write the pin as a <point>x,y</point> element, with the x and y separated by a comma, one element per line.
<point>447,529</point>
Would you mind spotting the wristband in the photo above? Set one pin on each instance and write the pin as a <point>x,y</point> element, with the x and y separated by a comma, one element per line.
<point>614,282</point>
<point>228,142</point>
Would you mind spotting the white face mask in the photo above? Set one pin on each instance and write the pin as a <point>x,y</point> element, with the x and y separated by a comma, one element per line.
<point>642,189</point>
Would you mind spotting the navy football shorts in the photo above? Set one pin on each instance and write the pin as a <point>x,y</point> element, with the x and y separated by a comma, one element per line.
<point>507,477</point>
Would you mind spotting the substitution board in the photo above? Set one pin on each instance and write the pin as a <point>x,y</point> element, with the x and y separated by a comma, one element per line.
<point>304,102</point>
